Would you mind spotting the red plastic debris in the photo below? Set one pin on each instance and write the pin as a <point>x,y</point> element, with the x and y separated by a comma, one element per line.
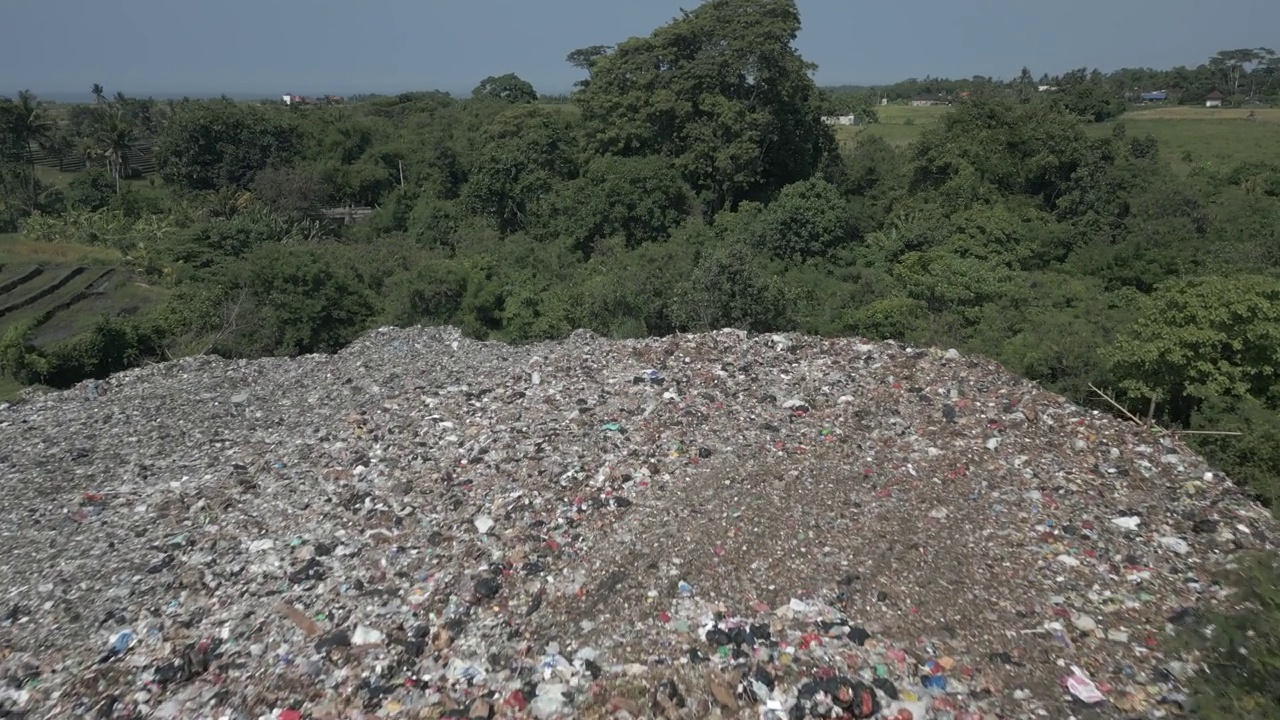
<point>516,700</point>
<point>943,704</point>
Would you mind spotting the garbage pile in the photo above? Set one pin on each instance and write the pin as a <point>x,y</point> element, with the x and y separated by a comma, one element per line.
<point>698,526</point>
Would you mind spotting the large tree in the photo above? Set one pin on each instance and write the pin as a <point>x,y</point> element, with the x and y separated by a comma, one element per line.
<point>721,91</point>
<point>510,87</point>
<point>585,58</point>
<point>526,152</point>
<point>215,144</point>
<point>1233,66</point>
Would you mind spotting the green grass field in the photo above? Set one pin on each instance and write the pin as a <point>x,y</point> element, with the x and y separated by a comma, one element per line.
<point>899,124</point>
<point>1187,135</point>
<point>1193,135</point>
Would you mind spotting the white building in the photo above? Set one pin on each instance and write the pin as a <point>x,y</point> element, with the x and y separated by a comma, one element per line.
<point>841,120</point>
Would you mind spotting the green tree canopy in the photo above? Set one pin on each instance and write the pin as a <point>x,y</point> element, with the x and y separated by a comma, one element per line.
<point>638,199</point>
<point>208,145</point>
<point>525,152</point>
<point>990,143</point>
<point>809,219</point>
<point>721,91</point>
<point>1200,338</point>
<point>510,88</point>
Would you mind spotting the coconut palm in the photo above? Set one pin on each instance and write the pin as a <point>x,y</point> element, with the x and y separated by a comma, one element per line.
<point>114,138</point>
<point>99,94</point>
<point>86,150</point>
<point>32,128</point>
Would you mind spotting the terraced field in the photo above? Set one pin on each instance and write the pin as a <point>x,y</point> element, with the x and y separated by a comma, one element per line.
<point>63,289</point>
<point>64,301</point>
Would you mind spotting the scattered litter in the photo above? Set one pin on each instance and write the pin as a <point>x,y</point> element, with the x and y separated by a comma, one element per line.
<point>1127,522</point>
<point>1176,545</point>
<point>770,526</point>
<point>1083,688</point>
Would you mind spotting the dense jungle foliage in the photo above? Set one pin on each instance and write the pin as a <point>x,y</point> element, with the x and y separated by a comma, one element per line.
<point>690,184</point>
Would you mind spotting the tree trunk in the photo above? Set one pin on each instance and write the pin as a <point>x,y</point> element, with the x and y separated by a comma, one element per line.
<point>31,168</point>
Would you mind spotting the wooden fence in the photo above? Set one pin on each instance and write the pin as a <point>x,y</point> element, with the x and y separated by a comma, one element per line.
<point>142,160</point>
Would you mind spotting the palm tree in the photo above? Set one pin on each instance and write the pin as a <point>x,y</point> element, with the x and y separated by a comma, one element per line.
<point>86,150</point>
<point>114,138</point>
<point>99,95</point>
<point>32,127</point>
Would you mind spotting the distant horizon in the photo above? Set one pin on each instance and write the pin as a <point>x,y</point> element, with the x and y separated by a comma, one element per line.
<point>78,96</point>
<point>74,96</point>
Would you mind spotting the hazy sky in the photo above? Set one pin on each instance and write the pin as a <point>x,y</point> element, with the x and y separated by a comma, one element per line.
<point>343,46</point>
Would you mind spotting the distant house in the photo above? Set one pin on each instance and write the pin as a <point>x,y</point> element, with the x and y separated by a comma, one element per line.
<point>841,120</point>
<point>1214,99</point>
<point>927,100</point>
<point>292,99</point>
<point>1157,96</point>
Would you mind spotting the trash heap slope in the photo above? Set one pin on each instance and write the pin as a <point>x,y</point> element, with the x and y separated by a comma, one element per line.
<point>704,525</point>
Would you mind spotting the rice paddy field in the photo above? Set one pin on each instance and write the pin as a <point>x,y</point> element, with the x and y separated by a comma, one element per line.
<point>63,289</point>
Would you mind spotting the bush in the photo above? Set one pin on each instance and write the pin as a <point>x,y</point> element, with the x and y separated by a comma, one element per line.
<point>92,189</point>
<point>729,287</point>
<point>113,344</point>
<point>1241,674</point>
